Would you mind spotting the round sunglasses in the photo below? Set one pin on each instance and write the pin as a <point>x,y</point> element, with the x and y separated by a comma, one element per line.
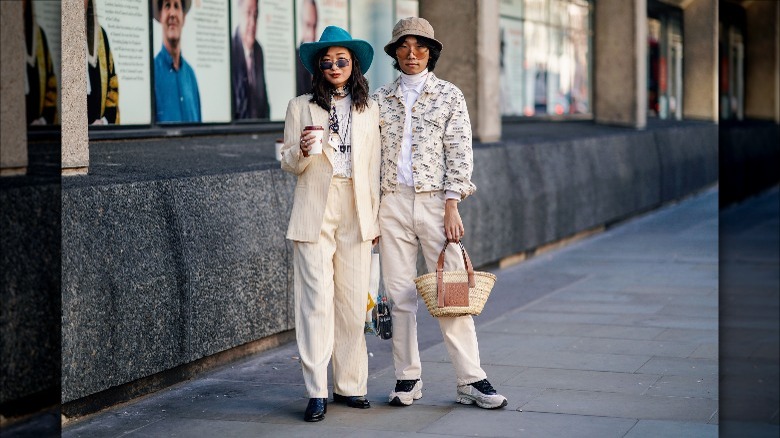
<point>340,63</point>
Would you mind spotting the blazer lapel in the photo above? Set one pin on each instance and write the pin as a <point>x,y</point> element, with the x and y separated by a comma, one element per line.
<point>358,134</point>
<point>320,117</point>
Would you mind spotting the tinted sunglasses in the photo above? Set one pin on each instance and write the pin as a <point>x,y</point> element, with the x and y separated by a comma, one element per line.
<point>340,63</point>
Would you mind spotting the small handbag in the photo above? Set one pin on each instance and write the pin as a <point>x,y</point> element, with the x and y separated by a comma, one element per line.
<point>455,293</point>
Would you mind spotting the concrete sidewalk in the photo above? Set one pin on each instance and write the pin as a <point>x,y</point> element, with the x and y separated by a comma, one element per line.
<point>616,335</point>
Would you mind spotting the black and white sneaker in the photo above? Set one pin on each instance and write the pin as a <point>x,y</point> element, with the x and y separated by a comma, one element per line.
<point>406,392</point>
<point>481,393</point>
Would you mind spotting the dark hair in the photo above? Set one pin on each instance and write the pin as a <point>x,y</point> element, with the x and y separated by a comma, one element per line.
<point>433,51</point>
<point>357,83</point>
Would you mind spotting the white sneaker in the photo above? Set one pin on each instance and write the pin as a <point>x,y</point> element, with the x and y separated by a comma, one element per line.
<point>406,392</point>
<point>481,393</point>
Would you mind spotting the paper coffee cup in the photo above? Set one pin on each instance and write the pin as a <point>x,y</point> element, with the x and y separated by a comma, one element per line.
<point>319,133</point>
<point>279,144</point>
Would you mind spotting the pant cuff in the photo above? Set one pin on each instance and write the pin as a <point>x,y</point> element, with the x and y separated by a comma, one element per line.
<point>470,380</point>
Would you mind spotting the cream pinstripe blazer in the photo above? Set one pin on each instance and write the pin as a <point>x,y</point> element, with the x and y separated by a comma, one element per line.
<point>315,172</point>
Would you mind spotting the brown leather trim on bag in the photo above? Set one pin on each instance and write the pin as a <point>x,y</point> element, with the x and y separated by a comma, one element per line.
<point>453,294</point>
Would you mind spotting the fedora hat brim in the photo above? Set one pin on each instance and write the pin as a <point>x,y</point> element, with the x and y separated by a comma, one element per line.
<point>336,37</point>
<point>186,3</point>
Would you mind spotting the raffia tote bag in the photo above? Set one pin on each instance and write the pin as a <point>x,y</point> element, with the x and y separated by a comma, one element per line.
<point>455,293</point>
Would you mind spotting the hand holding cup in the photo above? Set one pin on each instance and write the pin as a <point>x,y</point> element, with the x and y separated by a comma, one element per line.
<point>311,140</point>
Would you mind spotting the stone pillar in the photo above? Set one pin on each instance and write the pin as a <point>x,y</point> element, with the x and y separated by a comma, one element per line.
<point>13,123</point>
<point>470,58</point>
<point>75,134</point>
<point>762,61</point>
<point>700,60</point>
<point>620,70</point>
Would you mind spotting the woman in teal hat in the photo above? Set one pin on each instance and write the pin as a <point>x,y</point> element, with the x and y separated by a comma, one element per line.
<point>333,224</point>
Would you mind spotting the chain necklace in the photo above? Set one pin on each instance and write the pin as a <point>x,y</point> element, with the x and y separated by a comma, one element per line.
<point>339,128</point>
<point>344,135</point>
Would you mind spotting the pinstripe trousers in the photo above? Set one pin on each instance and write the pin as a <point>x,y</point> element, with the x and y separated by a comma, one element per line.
<point>331,285</point>
<point>406,218</point>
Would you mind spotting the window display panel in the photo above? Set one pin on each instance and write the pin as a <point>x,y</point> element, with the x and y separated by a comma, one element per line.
<point>118,70</point>
<point>511,8</point>
<point>312,17</point>
<point>511,65</point>
<point>560,13</point>
<point>42,60</point>
<point>553,40</point>
<point>580,88</point>
<point>406,8</point>
<point>664,62</point>
<point>536,69</point>
<point>191,44</point>
<point>372,20</point>
<point>263,66</point>
<point>536,10</point>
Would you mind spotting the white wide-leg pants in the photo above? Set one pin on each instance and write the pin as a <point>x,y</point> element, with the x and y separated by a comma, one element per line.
<point>406,217</point>
<point>331,290</point>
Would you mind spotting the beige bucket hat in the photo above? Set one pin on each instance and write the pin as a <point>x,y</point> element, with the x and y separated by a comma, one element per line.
<point>411,26</point>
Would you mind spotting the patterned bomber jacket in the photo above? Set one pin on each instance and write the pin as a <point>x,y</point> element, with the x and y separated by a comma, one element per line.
<point>442,158</point>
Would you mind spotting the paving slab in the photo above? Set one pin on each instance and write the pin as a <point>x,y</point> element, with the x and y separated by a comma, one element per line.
<point>677,309</point>
<point>501,325</point>
<point>687,335</point>
<point>192,427</point>
<point>668,321</point>
<point>709,351</point>
<point>547,378</point>
<point>616,405</point>
<point>506,423</point>
<point>614,331</point>
<point>585,308</point>
<point>685,386</point>
<point>671,429</point>
<point>566,318</point>
<point>704,368</point>
<point>634,346</point>
<point>576,361</point>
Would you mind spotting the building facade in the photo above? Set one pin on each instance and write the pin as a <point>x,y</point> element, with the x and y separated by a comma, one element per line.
<point>168,260</point>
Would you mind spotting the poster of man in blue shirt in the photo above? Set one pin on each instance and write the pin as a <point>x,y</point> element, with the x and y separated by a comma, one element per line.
<point>175,86</point>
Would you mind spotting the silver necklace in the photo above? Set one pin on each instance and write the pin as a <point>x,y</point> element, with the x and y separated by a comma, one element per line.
<point>343,136</point>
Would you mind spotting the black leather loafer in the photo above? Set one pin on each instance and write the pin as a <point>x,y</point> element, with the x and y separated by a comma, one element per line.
<point>353,401</point>
<point>316,409</point>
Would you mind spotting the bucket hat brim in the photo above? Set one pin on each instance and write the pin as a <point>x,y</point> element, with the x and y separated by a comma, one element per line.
<point>336,36</point>
<point>187,4</point>
<point>411,26</point>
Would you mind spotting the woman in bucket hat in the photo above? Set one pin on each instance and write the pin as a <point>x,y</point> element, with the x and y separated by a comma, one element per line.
<point>333,223</point>
<point>427,163</point>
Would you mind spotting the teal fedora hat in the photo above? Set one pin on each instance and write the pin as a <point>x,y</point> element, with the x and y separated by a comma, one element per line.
<point>336,36</point>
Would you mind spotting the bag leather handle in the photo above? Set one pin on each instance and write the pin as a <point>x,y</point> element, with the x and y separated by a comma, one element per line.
<point>466,262</point>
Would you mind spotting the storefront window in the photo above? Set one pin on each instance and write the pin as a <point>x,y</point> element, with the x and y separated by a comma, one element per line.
<point>665,62</point>
<point>545,57</point>
<point>732,85</point>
